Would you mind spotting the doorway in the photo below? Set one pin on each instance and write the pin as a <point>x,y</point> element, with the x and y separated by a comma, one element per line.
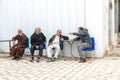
<point>114,22</point>
<point>118,21</point>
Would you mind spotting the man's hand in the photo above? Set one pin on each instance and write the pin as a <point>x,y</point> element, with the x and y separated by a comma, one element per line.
<point>62,39</point>
<point>71,33</point>
<point>44,42</point>
<point>51,43</point>
<point>13,42</point>
<point>15,46</point>
<point>37,47</point>
<point>74,39</point>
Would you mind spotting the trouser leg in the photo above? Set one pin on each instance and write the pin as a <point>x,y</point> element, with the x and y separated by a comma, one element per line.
<point>80,49</point>
<point>57,51</point>
<point>81,52</point>
<point>40,52</point>
<point>32,51</point>
<point>49,51</point>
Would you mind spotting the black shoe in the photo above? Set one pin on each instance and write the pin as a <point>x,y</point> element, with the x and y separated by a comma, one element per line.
<point>49,60</point>
<point>31,60</point>
<point>17,59</point>
<point>14,58</point>
<point>80,61</point>
<point>84,60</point>
<point>39,57</point>
<point>54,59</point>
<point>38,60</point>
<point>81,58</point>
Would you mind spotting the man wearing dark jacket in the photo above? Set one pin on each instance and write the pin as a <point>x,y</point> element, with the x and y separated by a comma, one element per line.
<point>37,39</point>
<point>55,42</point>
<point>85,42</point>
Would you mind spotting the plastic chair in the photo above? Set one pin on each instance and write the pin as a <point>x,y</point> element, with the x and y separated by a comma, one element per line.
<point>43,45</point>
<point>92,48</point>
<point>28,47</point>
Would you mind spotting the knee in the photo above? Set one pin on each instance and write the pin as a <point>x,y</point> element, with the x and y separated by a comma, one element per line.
<point>49,47</point>
<point>58,48</point>
<point>80,47</point>
<point>32,48</point>
<point>40,47</point>
<point>17,47</point>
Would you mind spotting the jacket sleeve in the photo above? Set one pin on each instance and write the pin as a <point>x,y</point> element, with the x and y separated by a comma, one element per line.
<point>51,39</point>
<point>77,38</point>
<point>79,34</point>
<point>15,38</point>
<point>61,42</point>
<point>65,37</point>
<point>24,41</point>
<point>32,41</point>
<point>44,38</point>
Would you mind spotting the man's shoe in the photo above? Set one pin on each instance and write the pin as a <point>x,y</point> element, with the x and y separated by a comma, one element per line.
<point>38,57</point>
<point>81,58</point>
<point>14,58</point>
<point>38,60</point>
<point>31,60</point>
<point>84,60</point>
<point>49,60</point>
<point>80,61</point>
<point>54,59</point>
<point>17,59</point>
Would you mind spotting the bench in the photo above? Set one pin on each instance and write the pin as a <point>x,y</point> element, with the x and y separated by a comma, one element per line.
<point>7,41</point>
<point>43,46</point>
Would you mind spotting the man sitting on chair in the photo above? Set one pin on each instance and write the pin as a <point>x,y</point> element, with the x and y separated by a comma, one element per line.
<point>85,42</point>
<point>18,48</point>
<point>54,43</point>
<point>37,39</point>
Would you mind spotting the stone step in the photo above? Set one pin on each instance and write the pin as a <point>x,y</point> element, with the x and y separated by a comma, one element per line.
<point>115,52</point>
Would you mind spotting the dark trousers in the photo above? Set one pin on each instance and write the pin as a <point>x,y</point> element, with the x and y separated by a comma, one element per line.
<point>33,48</point>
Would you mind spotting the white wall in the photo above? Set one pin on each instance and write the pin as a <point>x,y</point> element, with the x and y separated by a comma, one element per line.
<point>51,15</point>
<point>95,23</point>
<point>107,24</point>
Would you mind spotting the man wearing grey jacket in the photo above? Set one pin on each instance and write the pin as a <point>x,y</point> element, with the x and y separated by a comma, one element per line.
<point>85,42</point>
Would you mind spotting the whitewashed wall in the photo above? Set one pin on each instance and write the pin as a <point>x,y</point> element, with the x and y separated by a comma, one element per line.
<point>51,15</point>
<point>95,23</point>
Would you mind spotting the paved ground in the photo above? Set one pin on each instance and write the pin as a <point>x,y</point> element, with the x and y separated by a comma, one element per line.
<point>99,69</point>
